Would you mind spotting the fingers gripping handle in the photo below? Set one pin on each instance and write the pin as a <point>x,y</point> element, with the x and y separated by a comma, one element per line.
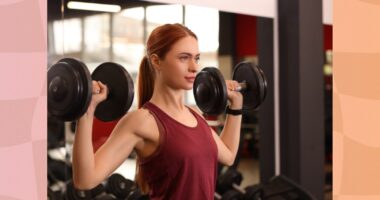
<point>242,86</point>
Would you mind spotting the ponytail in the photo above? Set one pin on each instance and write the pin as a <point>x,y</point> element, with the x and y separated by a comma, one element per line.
<point>145,82</point>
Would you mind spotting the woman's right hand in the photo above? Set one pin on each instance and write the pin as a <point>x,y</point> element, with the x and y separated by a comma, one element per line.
<point>99,93</point>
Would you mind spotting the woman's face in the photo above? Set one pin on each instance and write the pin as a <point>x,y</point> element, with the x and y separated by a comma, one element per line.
<point>180,64</point>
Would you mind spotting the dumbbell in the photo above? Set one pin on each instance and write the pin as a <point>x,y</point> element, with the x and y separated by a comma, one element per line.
<point>59,170</point>
<point>231,178</point>
<point>249,193</point>
<point>253,192</point>
<point>229,186</point>
<point>137,195</point>
<point>227,180</point>
<point>119,186</point>
<point>210,89</point>
<point>53,195</point>
<point>99,192</point>
<point>96,193</point>
<point>55,133</point>
<point>228,195</point>
<point>70,90</point>
<point>74,194</point>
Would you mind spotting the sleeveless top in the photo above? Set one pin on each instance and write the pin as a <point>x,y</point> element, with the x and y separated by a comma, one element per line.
<point>184,165</point>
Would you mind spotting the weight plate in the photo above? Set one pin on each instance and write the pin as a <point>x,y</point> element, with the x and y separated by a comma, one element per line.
<point>74,194</point>
<point>232,195</point>
<point>119,186</point>
<point>255,92</point>
<point>260,82</point>
<point>121,91</point>
<point>69,89</point>
<point>210,91</point>
<point>265,85</point>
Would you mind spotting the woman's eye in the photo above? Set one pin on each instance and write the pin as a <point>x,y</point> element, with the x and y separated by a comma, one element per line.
<point>184,58</point>
<point>197,59</point>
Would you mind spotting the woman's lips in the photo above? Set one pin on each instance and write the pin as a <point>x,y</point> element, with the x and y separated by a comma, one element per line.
<point>190,78</point>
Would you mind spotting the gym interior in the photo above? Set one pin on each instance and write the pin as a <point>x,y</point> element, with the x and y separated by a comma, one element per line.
<point>285,150</point>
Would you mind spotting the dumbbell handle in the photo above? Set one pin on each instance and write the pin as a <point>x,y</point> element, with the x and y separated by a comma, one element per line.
<point>237,187</point>
<point>242,86</point>
<point>217,195</point>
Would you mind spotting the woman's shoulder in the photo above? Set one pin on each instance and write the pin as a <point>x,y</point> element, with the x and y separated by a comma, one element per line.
<point>137,115</point>
<point>138,120</point>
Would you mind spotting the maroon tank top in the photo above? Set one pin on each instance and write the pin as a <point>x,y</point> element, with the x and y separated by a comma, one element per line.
<point>184,165</point>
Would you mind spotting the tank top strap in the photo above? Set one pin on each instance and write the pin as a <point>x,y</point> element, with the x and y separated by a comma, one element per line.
<point>159,114</point>
<point>200,119</point>
<point>156,112</point>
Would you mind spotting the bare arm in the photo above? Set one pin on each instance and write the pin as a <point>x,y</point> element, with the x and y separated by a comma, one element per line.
<point>90,169</point>
<point>228,141</point>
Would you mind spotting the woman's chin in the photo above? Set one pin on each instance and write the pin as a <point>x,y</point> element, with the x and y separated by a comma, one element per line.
<point>189,87</point>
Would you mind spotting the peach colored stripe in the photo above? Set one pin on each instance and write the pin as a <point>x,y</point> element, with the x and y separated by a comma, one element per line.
<point>356,100</point>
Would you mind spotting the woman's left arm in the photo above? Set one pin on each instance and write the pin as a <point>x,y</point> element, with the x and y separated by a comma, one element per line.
<point>228,141</point>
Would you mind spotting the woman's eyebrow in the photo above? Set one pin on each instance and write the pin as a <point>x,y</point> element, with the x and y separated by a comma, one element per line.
<point>189,54</point>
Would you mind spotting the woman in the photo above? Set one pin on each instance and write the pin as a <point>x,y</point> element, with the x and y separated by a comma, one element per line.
<point>177,151</point>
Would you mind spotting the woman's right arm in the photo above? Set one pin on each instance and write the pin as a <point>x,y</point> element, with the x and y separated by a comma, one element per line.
<point>90,169</point>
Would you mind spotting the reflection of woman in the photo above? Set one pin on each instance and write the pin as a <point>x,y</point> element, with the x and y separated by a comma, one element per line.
<point>177,151</point>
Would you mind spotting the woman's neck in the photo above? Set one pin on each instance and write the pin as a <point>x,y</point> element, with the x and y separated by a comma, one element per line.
<point>168,98</point>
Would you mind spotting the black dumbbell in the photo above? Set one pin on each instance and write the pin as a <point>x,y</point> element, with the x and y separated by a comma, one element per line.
<point>249,193</point>
<point>105,197</point>
<point>229,186</point>
<point>230,179</point>
<point>74,194</point>
<point>55,133</point>
<point>119,186</point>
<point>252,192</point>
<point>232,195</point>
<point>210,89</point>
<point>226,182</point>
<point>53,195</point>
<point>228,195</point>
<point>58,170</point>
<point>70,90</point>
<point>137,195</point>
<point>98,192</point>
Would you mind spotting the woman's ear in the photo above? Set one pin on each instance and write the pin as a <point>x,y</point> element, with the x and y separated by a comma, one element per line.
<point>155,60</point>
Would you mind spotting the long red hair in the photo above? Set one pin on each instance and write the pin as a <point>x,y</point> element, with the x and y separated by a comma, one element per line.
<point>159,42</point>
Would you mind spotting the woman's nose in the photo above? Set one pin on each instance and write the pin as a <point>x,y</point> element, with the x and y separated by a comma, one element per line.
<point>193,67</point>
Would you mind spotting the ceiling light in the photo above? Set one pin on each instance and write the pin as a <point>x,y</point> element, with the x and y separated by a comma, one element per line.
<point>93,6</point>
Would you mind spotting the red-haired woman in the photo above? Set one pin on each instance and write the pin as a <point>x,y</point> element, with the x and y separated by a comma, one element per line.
<point>177,151</point>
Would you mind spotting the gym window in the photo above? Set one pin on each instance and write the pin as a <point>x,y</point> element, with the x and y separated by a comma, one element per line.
<point>121,37</point>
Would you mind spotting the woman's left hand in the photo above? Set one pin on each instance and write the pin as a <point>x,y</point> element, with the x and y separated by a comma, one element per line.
<point>235,97</point>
